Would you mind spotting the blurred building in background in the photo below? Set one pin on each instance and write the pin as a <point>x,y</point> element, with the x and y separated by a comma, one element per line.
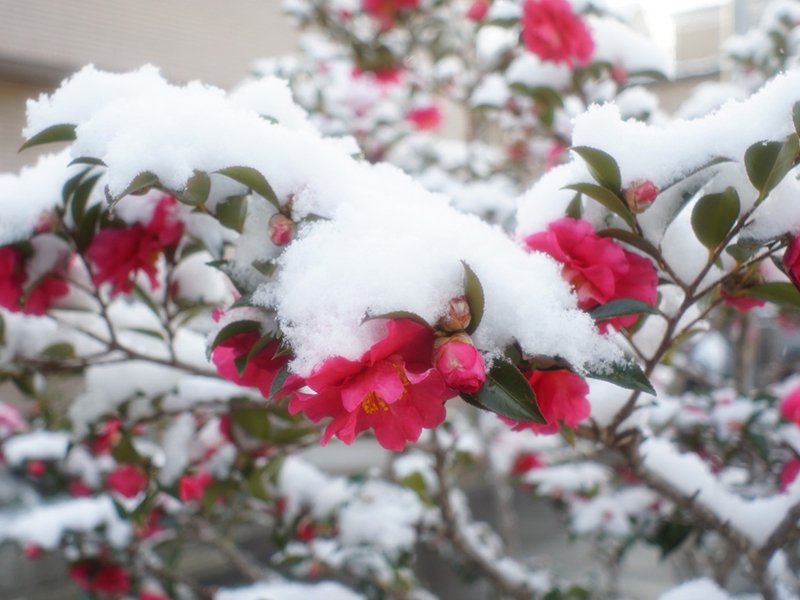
<point>43,41</point>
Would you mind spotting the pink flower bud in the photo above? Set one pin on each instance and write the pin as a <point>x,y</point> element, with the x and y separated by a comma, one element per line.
<point>478,10</point>
<point>457,317</point>
<point>128,481</point>
<point>281,229</point>
<point>640,195</point>
<point>460,363</point>
<point>619,74</point>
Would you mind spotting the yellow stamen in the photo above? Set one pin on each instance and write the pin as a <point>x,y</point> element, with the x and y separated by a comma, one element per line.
<point>372,402</point>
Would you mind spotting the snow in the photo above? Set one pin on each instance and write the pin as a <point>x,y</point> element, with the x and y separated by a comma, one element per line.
<point>527,69</point>
<point>703,587</point>
<point>708,97</point>
<point>46,525</point>
<point>575,477</point>
<point>613,513</point>
<point>36,445</point>
<point>620,45</point>
<point>26,196</point>
<point>690,476</point>
<point>327,590</point>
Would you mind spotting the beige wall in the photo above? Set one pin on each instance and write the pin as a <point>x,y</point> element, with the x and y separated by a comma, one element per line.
<point>42,41</point>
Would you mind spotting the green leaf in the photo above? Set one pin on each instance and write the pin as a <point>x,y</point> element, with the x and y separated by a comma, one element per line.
<point>739,252</point>
<point>621,308</point>
<point>669,535</point>
<point>713,217</point>
<point>632,239</point>
<point>197,189</point>
<point>607,198</point>
<point>254,421</point>
<point>648,73</point>
<point>84,232</point>
<point>291,435</point>
<point>242,361</point>
<point>768,162</point>
<point>575,208</point>
<point>265,267</point>
<point>81,197</point>
<point>141,183</point>
<point>776,292</point>
<point>230,330</point>
<point>628,375</point>
<point>254,180</point>
<point>796,117</point>
<point>473,291</point>
<point>507,393</point>
<point>55,133</point>
<point>232,212</point>
<point>398,314</point>
<point>87,160</point>
<point>278,382</point>
<point>72,184</point>
<point>542,93</point>
<point>602,166</point>
<point>125,453</point>
<point>59,351</point>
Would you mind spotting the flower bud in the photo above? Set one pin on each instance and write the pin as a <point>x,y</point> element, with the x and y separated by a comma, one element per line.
<point>640,195</point>
<point>457,317</point>
<point>281,229</point>
<point>477,11</point>
<point>460,363</point>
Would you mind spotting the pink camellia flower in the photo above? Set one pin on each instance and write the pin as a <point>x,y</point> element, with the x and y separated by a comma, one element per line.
<point>619,74</point>
<point>10,420</point>
<point>741,303</point>
<point>640,195</point>
<point>260,371</point>
<point>32,551</point>
<point>598,268</point>
<point>477,11</point>
<point>527,461</point>
<point>790,406</point>
<point>427,118</point>
<point>561,396</point>
<point>39,297</point>
<point>128,481</point>
<point>36,468</point>
<point>385,76</point>
<point>789,473</point>
<point>281,229</point>
<point>386,11</point>
<point>554,33</point>
<point>78,489</point>
<point>391,389</point>
<point>791,261</point>
<point>192,487</point>
<point>119,254</point>
<point>460,363</point>
<point>96,576</point>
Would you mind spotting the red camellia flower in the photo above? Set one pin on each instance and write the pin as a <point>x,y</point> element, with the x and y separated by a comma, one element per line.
<point>261,369</point>
<point>790,406</point>
<point>391,389</point>
<point>527,461</point>
<point>40,296</point>
<point>789,473</point>
<point>741,303</point>
<point>36,468</point>
<point>561,397</point>
<point>192,487</point>
<point>791,261</point>
<point>477,11</point>
<point>598,268</point>
<point>119,254</point>
<point>386,11</point>
<point>100,577</point>
<point>427,118</point>
<point>128,481</point>
<point>554,33</point>
<point>32,551</point>
<point>460,363</point>
<point>78,489</point>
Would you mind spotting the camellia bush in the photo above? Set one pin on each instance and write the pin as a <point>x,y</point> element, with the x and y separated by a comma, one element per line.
<point>203,285</point>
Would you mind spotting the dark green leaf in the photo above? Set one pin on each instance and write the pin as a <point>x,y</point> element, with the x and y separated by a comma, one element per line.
<point>148,332</point>
<point>777,292</point>
<point>607,198</point>
<point>59,351</point>
<point>669,535</point>
<point>292,435</point>
<point>254,180</point>
<point>84,232</point>
<point>55,133</point>
<point>2,330</point>
<point>575,208</point>
<point>768,162</point>
<point>230,330</point>
<point>254,421</point>
<point>197,189</point>
<point>72,184</point>
<point>141,183</point>
<point>713,217</point>
<point>265,267</point>
<point>621,308</point>
<point>81,197</point>
<point>125,453</point>
<point>278,382</point>
<point>507,393</point>
<point>87,160</point>
<point>628,375</point>
<point>473,291</point>
<point>232,212</point>
<point>649,74</point>
<point>633,240</point>
<point>739,252</point>
<point>262,343</point>
<point>602,166</point>
<point>543,94</point>
<point>398,314</point>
